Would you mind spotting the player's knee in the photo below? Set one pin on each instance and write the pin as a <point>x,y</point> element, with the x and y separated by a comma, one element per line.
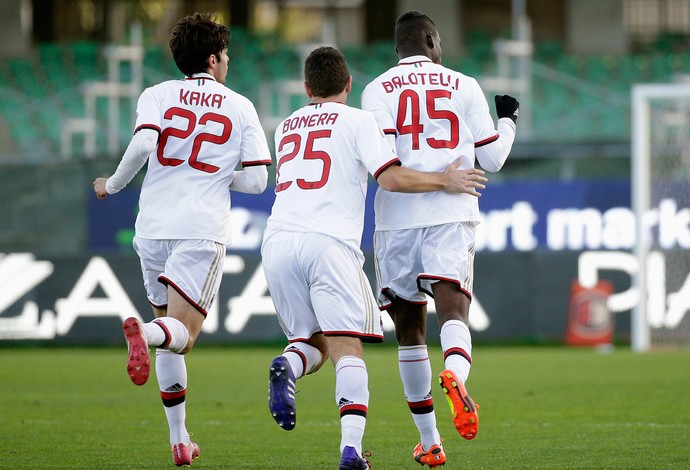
<point>188,347</point>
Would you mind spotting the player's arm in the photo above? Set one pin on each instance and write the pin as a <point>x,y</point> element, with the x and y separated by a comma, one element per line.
<point>397,178</point>
<point>140,147</point>
<point>372,147</point>
<point>374,102</point>
<point>250,180</point>
<point>492,153</point>
<point>254,153</point>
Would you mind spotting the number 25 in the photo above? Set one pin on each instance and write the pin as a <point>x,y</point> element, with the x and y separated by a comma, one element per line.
<point>309,154</point>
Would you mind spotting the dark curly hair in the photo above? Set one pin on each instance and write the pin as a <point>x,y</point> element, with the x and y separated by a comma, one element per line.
<point>194,38</point>
<point>326,71</point>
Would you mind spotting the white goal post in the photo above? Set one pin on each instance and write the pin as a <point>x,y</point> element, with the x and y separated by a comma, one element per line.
<point>661,199</point>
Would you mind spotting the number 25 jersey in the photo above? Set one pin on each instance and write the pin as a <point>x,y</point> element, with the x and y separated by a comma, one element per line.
<point>206,130</point>
<point>324,153</point>
<point>438,116</point>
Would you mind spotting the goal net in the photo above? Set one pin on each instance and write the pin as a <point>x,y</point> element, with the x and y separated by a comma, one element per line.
<point>661,203</point>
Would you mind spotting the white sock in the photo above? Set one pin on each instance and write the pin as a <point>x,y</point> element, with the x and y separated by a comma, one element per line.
<point>166,333</point>
<point>303,358</point>
<point>415,372</point>
<point>352,397</point>
<point>172,382</point>
<point>456,342</point>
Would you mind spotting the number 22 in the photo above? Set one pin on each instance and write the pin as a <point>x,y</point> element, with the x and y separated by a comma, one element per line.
<point>198,140</point>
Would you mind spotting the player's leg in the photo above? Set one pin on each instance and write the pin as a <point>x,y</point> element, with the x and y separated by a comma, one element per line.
<point>306,356</point>
<point>397,266</point>
<point>416,375</point>
<point>352,398</point>
<point>180,294</point>
<point>164,332</point>
<point>456,343</point>
<point>191,286</point>
<point>448,277</point>
<point>307,350</point>
<point>345,309</point>
<point>298,359</point>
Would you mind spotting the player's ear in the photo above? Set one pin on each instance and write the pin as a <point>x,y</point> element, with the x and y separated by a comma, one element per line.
<point>308,90</point>
<point>348,85</point>
<point>430,40</point>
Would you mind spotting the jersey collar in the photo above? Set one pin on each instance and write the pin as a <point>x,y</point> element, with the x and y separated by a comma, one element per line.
<point>414,59</point>
<point>202,75</point>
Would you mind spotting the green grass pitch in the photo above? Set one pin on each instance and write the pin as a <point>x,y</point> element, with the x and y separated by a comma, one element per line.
<point>541,408</point>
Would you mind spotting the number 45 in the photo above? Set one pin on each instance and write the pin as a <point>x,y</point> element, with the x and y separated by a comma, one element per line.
<point>410,99</point>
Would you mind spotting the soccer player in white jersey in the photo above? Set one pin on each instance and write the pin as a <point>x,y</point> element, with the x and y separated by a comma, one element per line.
<point>311,249</point>
<point>193,132</point>
<point>424,243</point>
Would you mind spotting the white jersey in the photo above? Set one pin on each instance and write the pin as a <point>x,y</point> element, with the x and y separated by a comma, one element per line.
<point>323,154</point>
<point>439,116</point>
<point>206,130</point>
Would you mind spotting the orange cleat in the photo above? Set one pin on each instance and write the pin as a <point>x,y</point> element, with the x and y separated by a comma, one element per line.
<point>184,454</point>
<point>138,362</point>
<point>462,407</point>
<point>433,457</point>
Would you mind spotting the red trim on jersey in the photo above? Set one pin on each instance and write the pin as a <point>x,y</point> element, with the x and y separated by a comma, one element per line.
<point>148,126</point>
<point>459,352</point>
<point>200,78</point>
<point>486,141</point>
<point>395,161</point>
<point>257,163</point>
<point>439,278</point>
<point>167,282</point>
<point>364,337</point>
<point>415,62</point>
<point>390,132</point>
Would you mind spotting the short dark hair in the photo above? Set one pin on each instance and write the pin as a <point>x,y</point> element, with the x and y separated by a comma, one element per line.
<point>194,38</point>
<point>411,30</point>
<point>326,71</point>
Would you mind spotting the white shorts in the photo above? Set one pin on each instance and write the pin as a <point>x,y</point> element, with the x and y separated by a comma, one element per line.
<point>318,285</point>
<point>409,261</point>
<point>194,268</point>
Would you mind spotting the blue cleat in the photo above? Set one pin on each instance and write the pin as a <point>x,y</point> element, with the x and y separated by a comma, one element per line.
<point>281,393</point>
<point>349,460</point>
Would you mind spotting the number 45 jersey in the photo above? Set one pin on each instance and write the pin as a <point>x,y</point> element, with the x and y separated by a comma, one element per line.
<point>324,152</point>
<point>206,131</point>
<point>438,116</point>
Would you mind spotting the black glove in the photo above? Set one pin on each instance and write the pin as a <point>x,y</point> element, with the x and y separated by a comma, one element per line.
<point>507,106</point>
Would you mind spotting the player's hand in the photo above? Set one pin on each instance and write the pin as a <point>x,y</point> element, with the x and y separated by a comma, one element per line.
<point>99,187</point>
<point>507,106</point>
<point>466,181</point>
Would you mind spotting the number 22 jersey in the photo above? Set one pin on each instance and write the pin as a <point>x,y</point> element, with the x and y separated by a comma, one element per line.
<point>206,130</point>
